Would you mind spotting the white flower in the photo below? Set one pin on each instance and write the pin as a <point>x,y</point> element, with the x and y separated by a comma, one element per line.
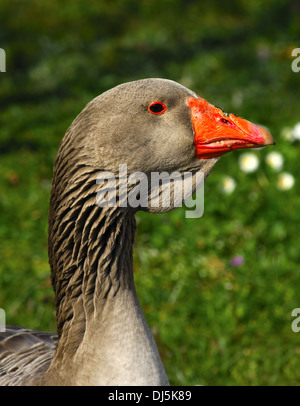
<point>248,162</point>
<point>228,286</point>
<point>296,132</point>
<point>228,185</point>
<point>275,160</point>
<point>291,134</point>
<point>287,134</point>
<point>285,181</point>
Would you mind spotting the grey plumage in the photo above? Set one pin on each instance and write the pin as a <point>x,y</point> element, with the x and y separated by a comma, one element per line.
<point>24,354</point>
<point>103,336</point>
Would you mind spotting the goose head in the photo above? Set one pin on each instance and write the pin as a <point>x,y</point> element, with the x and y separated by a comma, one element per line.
<point>153,126</point>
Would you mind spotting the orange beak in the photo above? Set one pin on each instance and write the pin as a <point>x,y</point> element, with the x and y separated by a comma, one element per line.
<point>217,133</point>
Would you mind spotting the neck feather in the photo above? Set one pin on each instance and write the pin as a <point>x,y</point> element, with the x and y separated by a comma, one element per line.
<point>99,318</point>
<point>90,248</point>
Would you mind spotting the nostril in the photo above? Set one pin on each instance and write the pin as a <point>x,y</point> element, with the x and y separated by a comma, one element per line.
<point>225,121</point>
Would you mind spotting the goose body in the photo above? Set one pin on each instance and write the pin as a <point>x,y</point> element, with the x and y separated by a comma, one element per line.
<point>152,126</point>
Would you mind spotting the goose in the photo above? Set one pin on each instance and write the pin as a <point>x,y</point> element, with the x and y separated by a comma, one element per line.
<point>151,126</point>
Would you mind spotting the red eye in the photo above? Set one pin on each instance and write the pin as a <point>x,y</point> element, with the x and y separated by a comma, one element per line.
<point>157,108</point>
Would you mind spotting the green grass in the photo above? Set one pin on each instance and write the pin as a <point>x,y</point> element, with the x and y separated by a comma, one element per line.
<point>215,324</point>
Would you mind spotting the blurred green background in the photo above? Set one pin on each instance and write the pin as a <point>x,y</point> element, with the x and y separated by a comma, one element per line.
<point>218,320</point>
